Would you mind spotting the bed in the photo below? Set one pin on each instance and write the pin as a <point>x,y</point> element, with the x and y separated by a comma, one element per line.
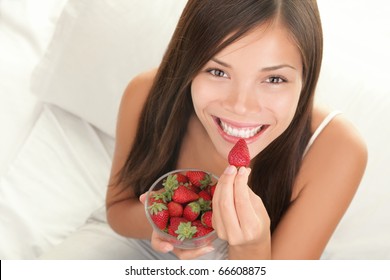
<point>63,67</point>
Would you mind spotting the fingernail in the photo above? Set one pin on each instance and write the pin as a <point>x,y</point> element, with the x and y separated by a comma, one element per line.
<point>208,250</point>
<point>167,248</point>
<point>241,171</point>
<point>230,169</point>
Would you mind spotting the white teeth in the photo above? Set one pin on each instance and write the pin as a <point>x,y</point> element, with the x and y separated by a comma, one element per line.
<point>240,132</point>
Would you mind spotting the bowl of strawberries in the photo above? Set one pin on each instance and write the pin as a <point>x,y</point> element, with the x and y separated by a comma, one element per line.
<point>179,207</point>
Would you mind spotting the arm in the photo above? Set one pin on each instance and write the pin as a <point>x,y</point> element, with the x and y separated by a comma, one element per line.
<point>329,177</point>
<point>125,214</point>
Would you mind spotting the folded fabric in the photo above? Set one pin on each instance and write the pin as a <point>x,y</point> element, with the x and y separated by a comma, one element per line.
<point>97,47</point>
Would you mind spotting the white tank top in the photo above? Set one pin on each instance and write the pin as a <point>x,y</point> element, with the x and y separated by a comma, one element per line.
<point>320,128</point>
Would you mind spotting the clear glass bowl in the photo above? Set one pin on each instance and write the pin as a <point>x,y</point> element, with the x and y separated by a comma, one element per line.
<point>186,243</point>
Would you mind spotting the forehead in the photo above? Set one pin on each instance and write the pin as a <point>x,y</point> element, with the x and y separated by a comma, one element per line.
<point>265,45</point>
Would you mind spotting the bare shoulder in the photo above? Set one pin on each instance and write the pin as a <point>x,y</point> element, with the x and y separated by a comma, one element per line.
<point>339,143</point>
<point>130,108</point>
<point>138,88</point>
<point>339,151</point>
<point>326,184</point>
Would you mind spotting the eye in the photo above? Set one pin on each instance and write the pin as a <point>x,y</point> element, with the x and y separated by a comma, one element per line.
<point>217,73</point>
<point>275,80</point>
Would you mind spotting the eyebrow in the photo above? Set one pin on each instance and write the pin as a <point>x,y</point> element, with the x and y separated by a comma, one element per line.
<point>265,69</point>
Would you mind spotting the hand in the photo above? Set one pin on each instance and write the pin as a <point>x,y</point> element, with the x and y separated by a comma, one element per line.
<point>239,215</point>
<point>163,246</point>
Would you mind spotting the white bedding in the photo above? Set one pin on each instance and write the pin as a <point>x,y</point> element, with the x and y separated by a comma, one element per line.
<point>56,146</point>
<point>55,182</point>
<point>25,30</point>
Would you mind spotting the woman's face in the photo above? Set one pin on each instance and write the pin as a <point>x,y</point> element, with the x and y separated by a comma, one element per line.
<point>249,90</point>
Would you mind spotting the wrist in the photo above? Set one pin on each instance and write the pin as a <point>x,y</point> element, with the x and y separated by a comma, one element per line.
<point>251,251</point>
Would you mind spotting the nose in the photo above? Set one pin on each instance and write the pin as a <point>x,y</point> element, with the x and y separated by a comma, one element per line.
<point>242,100</point>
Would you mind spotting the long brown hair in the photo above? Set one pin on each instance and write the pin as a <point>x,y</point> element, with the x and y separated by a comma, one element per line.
<point>204,29</point>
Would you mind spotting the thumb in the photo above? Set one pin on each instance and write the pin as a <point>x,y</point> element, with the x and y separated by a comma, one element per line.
<point>142,198</point>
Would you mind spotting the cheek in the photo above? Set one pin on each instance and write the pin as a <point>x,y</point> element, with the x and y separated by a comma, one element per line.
<point>290,108</point>
<point>196,95</point>
<point>202,95</point>
<point>285,108</point>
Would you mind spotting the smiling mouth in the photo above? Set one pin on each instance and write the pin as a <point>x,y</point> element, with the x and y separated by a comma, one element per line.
<point>240,131</point>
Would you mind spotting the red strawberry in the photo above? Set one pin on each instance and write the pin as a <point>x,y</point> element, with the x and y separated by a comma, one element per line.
<point>206,219</point>
<point>239,154</point>
<point>201,231</point>
<point>184,195</point>
<point>181,178</point>
<point>175,209</point>
<point>205,195</point>
<point>191,211</point>
<point>174,223</point>
<point>193,187</point>
<point>159,214</point>
<point>171,230</point>
<point>212,190</point>
<point>199,178</point>
<point>196,223</point>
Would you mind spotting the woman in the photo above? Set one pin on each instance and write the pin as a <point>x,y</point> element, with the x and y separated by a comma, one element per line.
<point>233,69</point>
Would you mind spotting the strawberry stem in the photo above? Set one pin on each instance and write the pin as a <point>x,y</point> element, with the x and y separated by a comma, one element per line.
<point>185,231</point>
<point>157,207</point>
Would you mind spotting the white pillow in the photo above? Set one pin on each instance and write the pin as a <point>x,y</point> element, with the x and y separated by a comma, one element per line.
<point>57,180</point>
<point>97,47</point>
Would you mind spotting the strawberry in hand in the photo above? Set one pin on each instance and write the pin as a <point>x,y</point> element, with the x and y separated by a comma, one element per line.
<point>239,154</point>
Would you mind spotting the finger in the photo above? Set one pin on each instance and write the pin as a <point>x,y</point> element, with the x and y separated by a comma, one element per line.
<point>142,198</point>
<point>225,203</point>
<point>217,223</point>
<point>242,200</point>
<point>217,220</point>
<point>160,245</point>
<point>216,217</point>
<point>258,205</point>
<point>185,254</point>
